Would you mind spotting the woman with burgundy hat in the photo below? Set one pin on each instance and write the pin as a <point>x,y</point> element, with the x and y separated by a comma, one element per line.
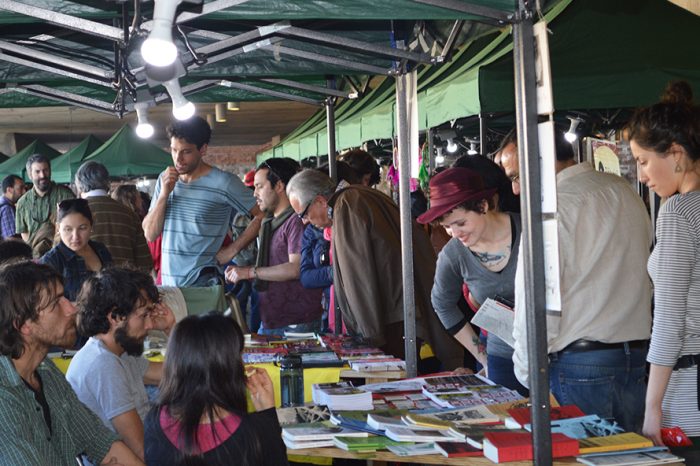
<point>482,253</point>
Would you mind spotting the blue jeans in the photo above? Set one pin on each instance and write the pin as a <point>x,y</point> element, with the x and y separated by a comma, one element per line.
<point>501,371</point>
<point>314,326</point>
<point>610,383</point>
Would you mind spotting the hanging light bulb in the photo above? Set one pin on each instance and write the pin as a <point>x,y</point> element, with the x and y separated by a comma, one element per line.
<point>159,49</point>
<point>233,106</point>
<point>220,112</point>
<point>439,158</point>
<point>472,149</point>
<point>571,135</point>
<point>144,129</point>
<point>183,109</point>
<point>452,146</point>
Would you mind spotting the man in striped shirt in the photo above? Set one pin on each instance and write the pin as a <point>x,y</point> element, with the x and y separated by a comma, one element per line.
<point>193,207</point>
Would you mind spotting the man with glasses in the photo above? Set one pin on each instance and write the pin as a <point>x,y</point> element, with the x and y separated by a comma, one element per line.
<point>36,210</point>
<point>116,309</point>
<point>285,305</point>
<point>193,207</point>
<point>41,419</point>
<point>366,250</point>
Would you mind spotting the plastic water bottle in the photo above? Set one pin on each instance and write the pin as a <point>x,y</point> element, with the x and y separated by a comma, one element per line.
<point>291,380</point>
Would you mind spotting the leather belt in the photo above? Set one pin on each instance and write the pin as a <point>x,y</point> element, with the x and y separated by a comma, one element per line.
<point>588,345</point>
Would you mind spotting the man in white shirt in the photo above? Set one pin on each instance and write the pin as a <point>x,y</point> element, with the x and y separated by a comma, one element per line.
<point>597,346</point>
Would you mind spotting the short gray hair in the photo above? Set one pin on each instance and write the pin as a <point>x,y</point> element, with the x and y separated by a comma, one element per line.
<point>309,183</point>
<point>90,176</point>
<point>36,158</point>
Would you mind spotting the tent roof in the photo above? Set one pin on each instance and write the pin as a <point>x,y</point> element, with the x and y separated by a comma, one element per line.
<point>127,155</point>
<point>601,57</point>
<point>57,52</point>
<point>63,167</point>
<point>16,165</point>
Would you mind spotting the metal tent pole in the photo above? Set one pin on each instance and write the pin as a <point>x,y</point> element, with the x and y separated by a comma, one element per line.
<point>532,249</point>
<point>330,127</point>
<point>483,146</point>
<point>409,297</point>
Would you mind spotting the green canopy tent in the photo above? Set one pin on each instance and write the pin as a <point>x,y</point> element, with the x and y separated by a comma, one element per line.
<point>127,155</point>
<point>16,165</point>
<point>601,56</point>
<point>63,168</point>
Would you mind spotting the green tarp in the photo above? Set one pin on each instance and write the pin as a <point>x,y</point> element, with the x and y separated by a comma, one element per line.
<point>63,168</point>
<point>604,56</point>
<point>16,165</point>
<point>127,155</point>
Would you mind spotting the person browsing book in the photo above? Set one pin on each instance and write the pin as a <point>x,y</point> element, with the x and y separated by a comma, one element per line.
<point>598,342</point>
<point>482,253</point>
<point>665,141</point>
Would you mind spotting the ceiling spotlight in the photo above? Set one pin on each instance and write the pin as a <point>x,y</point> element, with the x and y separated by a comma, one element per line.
<point>452,146</point>
<point>144,129</point>
<point>183,109</point>
<point>472,149</point>
<point>233,106</point>
<point>220,112</point>
<point>159,49</point>
<point>571,135</point>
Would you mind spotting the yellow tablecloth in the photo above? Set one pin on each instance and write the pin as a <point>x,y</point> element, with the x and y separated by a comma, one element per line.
<point>311,376</point>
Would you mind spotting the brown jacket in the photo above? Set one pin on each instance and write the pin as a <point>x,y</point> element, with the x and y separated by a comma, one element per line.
<point>367,271</point>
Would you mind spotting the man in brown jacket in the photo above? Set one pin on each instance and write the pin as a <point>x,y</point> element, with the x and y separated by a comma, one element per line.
<point>366,251</point>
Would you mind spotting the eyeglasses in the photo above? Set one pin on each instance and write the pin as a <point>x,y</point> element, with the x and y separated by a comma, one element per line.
<point>303,214</point>
<point>264,164</point>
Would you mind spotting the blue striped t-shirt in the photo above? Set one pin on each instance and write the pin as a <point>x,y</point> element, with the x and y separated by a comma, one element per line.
<point>197,217</point>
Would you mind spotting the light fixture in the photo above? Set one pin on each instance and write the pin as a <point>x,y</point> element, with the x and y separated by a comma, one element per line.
<point>439,158</point>
<point>233,106</point>
<point>144,129</point>
<point>183,109</point>
<point>472,149</point>
<point>220,112</point>
<point>571,135</point>
<point>452,146</point>
<point>210,120</point>
<point>159,49</point>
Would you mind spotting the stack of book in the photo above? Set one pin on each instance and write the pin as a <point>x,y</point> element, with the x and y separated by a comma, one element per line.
<point>315,435</point>
<point>341,396</point>
<point>376,364</point>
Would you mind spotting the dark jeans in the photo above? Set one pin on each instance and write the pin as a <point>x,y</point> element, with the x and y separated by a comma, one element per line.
<point>244,291</point>
<point>610,383</point>
<point>208,276</point>
<point>501,371</point>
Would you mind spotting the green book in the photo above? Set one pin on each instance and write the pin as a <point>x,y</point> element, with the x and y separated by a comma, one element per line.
<point>360,444</point>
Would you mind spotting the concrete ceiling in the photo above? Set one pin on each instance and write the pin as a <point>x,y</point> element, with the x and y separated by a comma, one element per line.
<point>256,123</point>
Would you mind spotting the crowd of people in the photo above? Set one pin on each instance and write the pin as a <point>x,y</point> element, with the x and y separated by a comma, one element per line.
<point>306,253</point>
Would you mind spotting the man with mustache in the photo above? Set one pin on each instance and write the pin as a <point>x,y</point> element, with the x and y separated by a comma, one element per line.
<point>116,309</point>
<point>41,419</point>
<point>36,210</point>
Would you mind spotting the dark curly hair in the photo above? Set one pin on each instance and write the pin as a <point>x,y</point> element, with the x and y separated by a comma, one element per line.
<point>673,120</point>
<point>25,289</point>
<point>196,131</point>
<point>115,291</point>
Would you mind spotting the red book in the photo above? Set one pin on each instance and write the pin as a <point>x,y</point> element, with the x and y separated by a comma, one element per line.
<point>457,450</point>
<point>522,415</point>
<point>503,446</point>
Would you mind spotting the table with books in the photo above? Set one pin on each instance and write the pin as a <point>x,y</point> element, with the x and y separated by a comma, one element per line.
<point>451,419</point>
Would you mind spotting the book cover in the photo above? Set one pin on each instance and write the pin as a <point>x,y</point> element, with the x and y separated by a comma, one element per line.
<point>584,427</point>
<point>522,415</point>
<point>454,417</point>
<point>474,434</point>
<point>457,450</point>
<point>366,444</point>
<point>405,434</point>
<point>413,449</point>
<point>617,442</point>
<point>631,459</point>
<point>505,446</point>
<point>317,431</point>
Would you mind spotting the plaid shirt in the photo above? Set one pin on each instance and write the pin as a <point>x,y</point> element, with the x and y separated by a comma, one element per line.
<point>7,218</point>
<point>24,437</point>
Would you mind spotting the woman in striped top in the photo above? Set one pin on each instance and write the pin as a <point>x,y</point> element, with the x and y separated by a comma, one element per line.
<point>665,141</point>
